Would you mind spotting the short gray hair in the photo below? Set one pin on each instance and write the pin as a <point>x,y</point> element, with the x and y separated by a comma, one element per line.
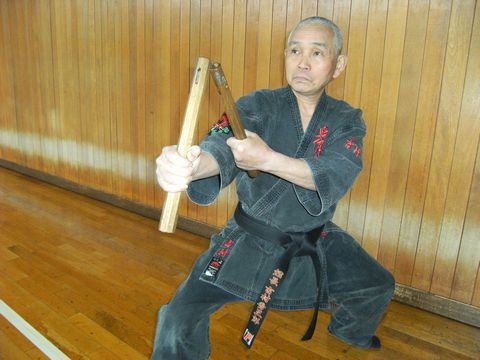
<point>318,20</point>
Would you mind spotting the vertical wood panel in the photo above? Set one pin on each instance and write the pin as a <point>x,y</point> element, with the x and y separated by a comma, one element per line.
<point>374,50</point>
<point>462,211</point>
<point>434,52</point>
<point>444,141</point>
<point>264,44</point>
<point>403,135</point>
<point>92,90</point>
<point>463,149</point>
<point>8,113</point>
<point>384,141</point>
<point>279,33</point>
<point>352,94</point>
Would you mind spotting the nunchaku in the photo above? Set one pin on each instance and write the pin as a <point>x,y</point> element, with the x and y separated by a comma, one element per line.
<point>168,220</point>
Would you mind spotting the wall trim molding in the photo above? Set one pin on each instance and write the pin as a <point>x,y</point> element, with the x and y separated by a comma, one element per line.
<point>449,308</point>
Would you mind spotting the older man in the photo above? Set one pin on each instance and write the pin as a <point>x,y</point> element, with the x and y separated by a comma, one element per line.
<point>281,249</point>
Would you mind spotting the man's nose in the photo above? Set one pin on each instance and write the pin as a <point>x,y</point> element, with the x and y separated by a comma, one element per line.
<point>304,63</point>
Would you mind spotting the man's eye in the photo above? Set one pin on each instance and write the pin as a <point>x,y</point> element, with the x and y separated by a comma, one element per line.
<point>318,53</point>
<point>294,51</point>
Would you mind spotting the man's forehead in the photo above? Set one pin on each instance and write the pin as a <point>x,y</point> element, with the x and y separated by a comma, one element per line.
<point>312,43</point>
<point>318,35</point>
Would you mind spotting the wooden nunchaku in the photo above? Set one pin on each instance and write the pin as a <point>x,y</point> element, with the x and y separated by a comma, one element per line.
<point>168,221</point>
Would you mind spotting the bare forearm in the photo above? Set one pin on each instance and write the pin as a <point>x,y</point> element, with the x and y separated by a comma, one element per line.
<point>207,167</point>
<point>293,170</point>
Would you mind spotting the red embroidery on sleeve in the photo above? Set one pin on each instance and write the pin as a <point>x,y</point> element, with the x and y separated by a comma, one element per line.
<point>356,151</point>
<point>221,126</point>
<point>349,144</point>
<point>320,140</point>
<point>356,148</point>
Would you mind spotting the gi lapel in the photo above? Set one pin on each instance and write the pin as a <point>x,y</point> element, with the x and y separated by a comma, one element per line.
<point>266,202</point>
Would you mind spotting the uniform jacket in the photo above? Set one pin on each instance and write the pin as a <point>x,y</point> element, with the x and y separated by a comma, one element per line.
<point>331,146</point>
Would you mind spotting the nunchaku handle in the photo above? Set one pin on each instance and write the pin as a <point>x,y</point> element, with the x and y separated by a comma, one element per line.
<point>168,220</point>
<point>230,108</point>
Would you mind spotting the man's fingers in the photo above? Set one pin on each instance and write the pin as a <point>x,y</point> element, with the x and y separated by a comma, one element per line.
<point>173,171</point>
<point>193,153</point>
<point>171,154</point>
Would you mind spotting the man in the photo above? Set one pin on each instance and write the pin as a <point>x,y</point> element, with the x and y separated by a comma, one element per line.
<point>280,250</point>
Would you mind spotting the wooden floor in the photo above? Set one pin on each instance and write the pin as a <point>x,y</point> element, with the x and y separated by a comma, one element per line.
<point>90,277</point>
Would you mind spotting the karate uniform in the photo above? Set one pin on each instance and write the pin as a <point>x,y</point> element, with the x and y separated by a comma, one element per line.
<point>238,265</point>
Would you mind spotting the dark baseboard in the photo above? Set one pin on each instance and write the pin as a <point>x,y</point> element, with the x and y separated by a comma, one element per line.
<point>452,309</point>
<point>426,301</point>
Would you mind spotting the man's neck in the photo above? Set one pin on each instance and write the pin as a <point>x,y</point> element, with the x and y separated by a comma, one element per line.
<point>307,105</point>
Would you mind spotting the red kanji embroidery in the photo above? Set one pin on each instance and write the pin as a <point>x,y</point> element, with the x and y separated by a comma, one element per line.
<point>248,336</point>
<point>349,144</point>
<point>320,140</point>
<point>228,243</point>
<point>274,281</point>
<point>261,305</point>
<point>324,234</point>
<point>215,264</point>
<point>258,313</point>
<point>256,320</point>
<point>356,151</point>
<point>269,290</point>
<point>265,298</point>
<point>278,273</point>
<point>356,148</point>
<point>222,252</point>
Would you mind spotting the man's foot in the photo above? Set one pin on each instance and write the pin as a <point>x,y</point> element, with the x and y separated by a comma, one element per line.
<point>375,343</point>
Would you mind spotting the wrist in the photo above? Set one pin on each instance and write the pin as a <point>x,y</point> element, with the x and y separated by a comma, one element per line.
<point>272,162</point>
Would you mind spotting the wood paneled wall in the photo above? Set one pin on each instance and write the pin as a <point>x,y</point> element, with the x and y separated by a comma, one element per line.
<point>91,91</point>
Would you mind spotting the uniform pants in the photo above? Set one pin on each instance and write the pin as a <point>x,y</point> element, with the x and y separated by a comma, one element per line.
<point>360,290</point>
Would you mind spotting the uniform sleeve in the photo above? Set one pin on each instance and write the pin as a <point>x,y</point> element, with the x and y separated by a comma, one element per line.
<point>335,162</point>
<point>205,191</point>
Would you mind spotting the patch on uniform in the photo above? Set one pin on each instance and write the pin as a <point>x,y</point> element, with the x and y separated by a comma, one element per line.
<point>320,141</point>
<point>213,267</point>
<point>217,259</point>
<point>222,126</point>
<point>248,337</point>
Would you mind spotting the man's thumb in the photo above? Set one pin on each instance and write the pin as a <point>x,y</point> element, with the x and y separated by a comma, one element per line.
<point>193,153</point>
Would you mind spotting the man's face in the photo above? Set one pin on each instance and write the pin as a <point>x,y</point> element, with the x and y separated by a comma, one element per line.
<point>311,61</point>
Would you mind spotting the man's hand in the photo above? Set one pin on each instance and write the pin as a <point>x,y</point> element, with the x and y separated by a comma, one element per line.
<point>251,153</point>
<point>174,172</point>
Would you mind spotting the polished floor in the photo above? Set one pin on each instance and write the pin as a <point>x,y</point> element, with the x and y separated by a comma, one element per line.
<point>90,278</point>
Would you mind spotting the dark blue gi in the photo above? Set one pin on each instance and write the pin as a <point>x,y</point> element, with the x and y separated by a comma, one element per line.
<point>353,285</point>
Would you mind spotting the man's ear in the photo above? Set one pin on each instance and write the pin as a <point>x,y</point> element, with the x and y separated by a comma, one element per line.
<point>340,66</point>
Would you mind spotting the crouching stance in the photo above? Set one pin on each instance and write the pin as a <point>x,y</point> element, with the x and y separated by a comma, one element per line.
<point>280,250</point>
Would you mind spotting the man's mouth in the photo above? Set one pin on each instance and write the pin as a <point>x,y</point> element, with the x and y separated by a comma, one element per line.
<point>301,78</point>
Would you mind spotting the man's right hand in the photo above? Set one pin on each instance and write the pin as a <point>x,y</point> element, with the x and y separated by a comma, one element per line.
<point>174,172</point>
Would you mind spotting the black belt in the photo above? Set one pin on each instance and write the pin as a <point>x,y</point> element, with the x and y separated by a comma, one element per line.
<point>295,244</point>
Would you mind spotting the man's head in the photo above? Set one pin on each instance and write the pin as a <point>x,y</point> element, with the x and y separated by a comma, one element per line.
<point>312,56</point>
<point>317,20</point>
